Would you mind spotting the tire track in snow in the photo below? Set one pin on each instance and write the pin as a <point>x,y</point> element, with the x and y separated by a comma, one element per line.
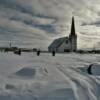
<point>70,81</point>
<point>81,92</point>
<point>91,81</point>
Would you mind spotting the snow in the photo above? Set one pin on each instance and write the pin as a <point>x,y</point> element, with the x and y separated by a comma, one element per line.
<point>96,69</point>
<point>44,77</point>
<point>26,72</point>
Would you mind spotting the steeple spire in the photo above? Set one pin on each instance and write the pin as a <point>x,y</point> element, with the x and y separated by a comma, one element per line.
<point>73,36</point>
<point>72,27</point>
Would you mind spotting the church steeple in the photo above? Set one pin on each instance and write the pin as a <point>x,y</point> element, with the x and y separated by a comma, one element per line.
<point>73,37</point>
<point>72,27</point>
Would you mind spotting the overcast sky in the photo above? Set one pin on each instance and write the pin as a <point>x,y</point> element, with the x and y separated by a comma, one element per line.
<point>34,23</point>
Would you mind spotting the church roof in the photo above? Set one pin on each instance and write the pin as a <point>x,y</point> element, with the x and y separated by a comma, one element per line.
<point>57,42</point>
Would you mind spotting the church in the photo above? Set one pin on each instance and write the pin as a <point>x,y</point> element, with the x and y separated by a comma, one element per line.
<point>65,44</point>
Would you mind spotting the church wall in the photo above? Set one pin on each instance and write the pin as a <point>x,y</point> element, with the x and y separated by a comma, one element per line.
<point>74,43</point>
<point>64,46</point>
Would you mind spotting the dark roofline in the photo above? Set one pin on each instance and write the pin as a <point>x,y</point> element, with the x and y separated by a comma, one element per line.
<point>60,43</point>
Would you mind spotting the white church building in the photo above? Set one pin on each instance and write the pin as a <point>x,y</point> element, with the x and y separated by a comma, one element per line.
<point>65,44</point>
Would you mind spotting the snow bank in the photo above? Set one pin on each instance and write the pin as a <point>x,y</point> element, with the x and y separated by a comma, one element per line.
<point>95,69</point>
<point>26,72</point>
<point>29,77</point>
<point>9,87</point>
<point>60,94</point>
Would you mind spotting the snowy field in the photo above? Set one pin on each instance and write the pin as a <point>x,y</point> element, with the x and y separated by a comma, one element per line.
<point>63,77</point>
<point>35,24</point>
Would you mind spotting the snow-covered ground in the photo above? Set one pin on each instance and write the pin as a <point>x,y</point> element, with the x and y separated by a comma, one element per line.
<point>63,77</point>
<point>35,24</point>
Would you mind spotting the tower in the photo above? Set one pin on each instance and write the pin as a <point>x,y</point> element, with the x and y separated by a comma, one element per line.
<point>73,37</point>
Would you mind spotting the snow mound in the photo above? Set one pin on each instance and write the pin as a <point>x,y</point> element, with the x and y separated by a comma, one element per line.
<point>26,72</point>
<point>60,94</point>
<point>9,86</point>
<point>92,69</point>
<point>95,69</point>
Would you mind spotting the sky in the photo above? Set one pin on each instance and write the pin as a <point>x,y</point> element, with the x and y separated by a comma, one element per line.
<point>35,23</point>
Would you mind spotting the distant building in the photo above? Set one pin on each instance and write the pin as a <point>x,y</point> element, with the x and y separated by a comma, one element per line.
<point>65,44</point>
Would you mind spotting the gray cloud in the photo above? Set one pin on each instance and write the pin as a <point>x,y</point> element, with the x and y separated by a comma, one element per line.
<point>96,23</point>
<point>34,20</point>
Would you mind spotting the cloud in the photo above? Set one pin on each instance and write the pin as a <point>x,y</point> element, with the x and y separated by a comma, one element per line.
<point>30,20</point>
<point>96,23</point>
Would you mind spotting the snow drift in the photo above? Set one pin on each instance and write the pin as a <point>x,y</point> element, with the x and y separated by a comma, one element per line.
<point>26,72</point>
<point>95,69</point>
<point>48,78</point>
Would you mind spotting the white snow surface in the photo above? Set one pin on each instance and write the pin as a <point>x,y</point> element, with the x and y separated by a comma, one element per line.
<point>63,77</point>
<point>96,69</point>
